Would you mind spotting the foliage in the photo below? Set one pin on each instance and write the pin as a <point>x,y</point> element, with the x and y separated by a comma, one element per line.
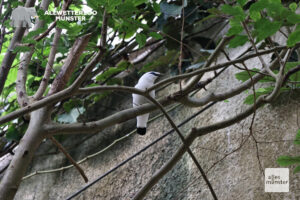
<point>285,161</point>
<point>142,23</point>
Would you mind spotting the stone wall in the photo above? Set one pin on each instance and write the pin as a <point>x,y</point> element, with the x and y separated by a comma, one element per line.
<point>236,177</point>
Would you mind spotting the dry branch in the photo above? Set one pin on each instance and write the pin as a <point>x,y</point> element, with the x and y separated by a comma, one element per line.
<point>61,148</point>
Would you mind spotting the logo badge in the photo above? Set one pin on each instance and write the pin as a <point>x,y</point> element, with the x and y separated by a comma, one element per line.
<point>277,180</point>
<point>21,17</point>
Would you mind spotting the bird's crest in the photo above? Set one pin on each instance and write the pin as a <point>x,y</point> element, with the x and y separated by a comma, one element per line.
<point>155,73</point>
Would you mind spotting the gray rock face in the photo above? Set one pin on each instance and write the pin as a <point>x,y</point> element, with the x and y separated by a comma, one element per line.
<point>238,176</point>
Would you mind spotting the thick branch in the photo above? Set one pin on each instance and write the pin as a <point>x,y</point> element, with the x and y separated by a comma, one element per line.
<point>67,69</point>
<point>289,73</point>
<point>84,74</point>
<point>10,55</point>
<point>165,169</point>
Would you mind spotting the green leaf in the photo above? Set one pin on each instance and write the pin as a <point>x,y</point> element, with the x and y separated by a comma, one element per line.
<point>13,133</point>
<point>126,9</point>
<point>290,65</point>
<point>297,140</point>
<point>155,35</point>
<point>63,24</point>
<point>137,2</point>
<point>238,40</point>
<point>112,4</point>
<point>164,61</point>
<point>21,49</point>
<point>234,30</point>
<point>112,70</point>
<point>31,34</point>
<point>260,91</point>
<point>141,39</point>
<point>72,103</point>
<point>255,15</point>
<point>293,6</point>
<point>156,7</point>
<point>12,76</point>
<point>244,76</point>
<point>242,2</point>
<point>293,18</point>
<point>293,38</point>
<point>265,28</point>
<point>297,169</point>
<point>235,11</point>
<point>93,4</point>
<point>259,5</point>
<point>288,160</point>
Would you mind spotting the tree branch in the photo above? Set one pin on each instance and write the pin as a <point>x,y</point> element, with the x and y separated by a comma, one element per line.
<point>142,193</point>
<point>216,67</point>
<point>193,102</point>
<point>69,91</point>
<point>22,96</point>
<point>49,66</point>
<point>209,61</point>
<point>254,47</point>
<point>10,55</point>
<point>61,148</point>
<point>77,83</point>
<point>197,132</point>
<point>67,69</point>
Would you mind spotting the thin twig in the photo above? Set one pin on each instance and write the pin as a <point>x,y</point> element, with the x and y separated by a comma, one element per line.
<point>61,148</point>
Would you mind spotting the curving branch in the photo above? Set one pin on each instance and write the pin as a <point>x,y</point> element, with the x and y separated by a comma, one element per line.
<point>70,64</point>
<point>217,66</point>
<point>49,66</point>
<point>84,74</point>
<point>61,148</point>
<point>209,61</point>
<point>194,102</point>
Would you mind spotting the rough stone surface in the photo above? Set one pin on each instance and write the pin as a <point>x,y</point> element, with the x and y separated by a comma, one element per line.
<point>238,176</point>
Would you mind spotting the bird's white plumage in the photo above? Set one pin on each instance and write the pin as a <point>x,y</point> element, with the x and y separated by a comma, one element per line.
<point>145,82</point>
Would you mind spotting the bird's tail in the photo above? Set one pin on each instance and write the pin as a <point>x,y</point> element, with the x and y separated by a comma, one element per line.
<point>141,131</point>
<point>142,123</point>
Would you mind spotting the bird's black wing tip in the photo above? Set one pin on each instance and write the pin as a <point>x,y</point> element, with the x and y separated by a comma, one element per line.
<point>141,131</point>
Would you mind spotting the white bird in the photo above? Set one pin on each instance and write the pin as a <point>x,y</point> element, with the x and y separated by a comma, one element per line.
<point>145,82</point>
